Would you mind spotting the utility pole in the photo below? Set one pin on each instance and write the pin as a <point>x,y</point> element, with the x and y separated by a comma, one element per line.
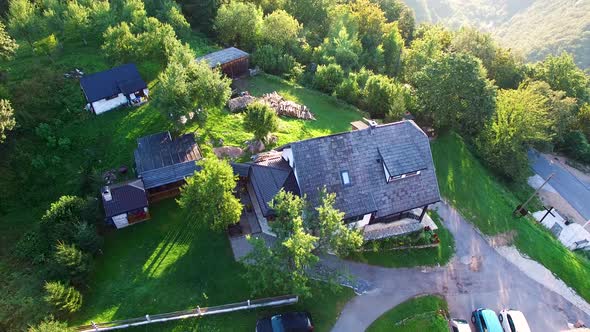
<point>521,209</point>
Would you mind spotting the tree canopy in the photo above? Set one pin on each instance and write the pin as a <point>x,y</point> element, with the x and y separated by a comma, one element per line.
<point>261,120</point>
<point>7,121</point>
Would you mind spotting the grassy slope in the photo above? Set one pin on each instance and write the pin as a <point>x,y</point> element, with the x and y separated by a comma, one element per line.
<point>418,314</point>
<point>413,257</point>
<point>167,264</point>
<point>466,184</point>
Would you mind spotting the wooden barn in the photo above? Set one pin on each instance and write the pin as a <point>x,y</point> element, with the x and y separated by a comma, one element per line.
<point>233,62</point>
<point>163,163</point>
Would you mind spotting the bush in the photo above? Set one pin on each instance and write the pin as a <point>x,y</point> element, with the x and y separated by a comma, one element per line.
<point>576,146</point>
<point>328,77</point>
<point>385,97</point>
<point>33,247</point>
<point>50,325</point>
<point>274,61</point>
<point>64,298</point>
<point>261,120</point>
<point>349,90</point>
<point>57,224</point>
<point>87,239</point>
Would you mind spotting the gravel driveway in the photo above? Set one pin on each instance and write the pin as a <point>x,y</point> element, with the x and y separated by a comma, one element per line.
<point>478,276</point>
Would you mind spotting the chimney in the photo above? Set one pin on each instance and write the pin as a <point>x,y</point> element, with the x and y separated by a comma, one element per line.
<point>106,194</point>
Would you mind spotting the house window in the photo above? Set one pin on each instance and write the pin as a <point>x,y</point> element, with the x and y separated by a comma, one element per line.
<point>345,178</point>
<point>403,176</point>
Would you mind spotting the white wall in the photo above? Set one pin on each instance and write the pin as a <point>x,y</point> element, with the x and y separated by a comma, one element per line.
<point>361,223</point>
<point>105,105</point>
<point>570,234</point>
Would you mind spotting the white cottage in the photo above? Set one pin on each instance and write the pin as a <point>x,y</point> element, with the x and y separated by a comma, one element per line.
<point>118,86</point>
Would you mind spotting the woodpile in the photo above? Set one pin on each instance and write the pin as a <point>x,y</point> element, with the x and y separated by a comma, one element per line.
<point>287,108</point>
<point>240,103</point>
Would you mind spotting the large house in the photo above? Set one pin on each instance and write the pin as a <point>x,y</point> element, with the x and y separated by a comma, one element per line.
<point>163,162</point>
<point>109,89</point>
<point>383,176</point>
<point>233,62</point>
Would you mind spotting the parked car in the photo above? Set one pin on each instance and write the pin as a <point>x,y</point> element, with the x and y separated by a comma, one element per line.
<point>287,322</point>
<point>485,320</point>
<point>459,325</point>
<point>513,321</point>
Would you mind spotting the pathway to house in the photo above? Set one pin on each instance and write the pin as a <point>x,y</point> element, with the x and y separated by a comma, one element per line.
<point>478,276</point>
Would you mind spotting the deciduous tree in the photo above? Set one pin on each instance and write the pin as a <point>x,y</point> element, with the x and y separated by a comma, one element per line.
<point>385,97</point>
<point>207,197</point>
<point>328,77</point>
<point>46,46</point>
<point>50,325</point>
<point>8,46</point>
<point>562,74</point>
<point>280,30</point>
<point>393,45</point>
<point>453,92</point>
<point>7,121</point>
<point>120,44</point>
<point>23,20</point>
<point>238,24</point>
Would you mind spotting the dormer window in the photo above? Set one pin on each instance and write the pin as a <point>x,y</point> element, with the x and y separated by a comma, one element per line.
<point>345,178</point>
<point>403,176</point>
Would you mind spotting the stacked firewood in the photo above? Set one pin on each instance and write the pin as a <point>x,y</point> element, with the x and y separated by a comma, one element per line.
<point>287,108</point>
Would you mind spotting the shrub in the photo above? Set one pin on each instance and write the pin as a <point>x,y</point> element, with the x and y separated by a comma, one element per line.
<point>385,97</point>
<point>328,77</point>
<point>87,239</point>
<point>57,224</point>
<point>576,146</point>
<point>50,325</point>
<point>274,61</point>
<point>349,90</point>
<point>261,120</point>
<point>64,298</point>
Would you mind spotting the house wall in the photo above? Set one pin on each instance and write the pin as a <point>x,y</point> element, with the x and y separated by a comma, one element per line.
<point>288,156</point>
<point>361,223</point>
<point>105,105</point>
<point>236,68</point>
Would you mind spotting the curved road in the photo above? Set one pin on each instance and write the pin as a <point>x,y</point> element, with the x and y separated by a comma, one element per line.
<point>476,277</point>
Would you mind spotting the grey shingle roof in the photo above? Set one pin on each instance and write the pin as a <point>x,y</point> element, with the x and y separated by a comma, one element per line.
<point>222,57</point>
<point>267,181</point>
<point>126,197</point>
<point>402,146</point>
<point>122,79</point>
<point>161,160</point>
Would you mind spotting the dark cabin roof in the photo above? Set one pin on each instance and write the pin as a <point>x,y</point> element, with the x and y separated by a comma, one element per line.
<point>224,56</point>
<point>161,160</point>
<point>126,197</point>
<point>402,146</point>
<point>123,79</point>
<point>268,178</point>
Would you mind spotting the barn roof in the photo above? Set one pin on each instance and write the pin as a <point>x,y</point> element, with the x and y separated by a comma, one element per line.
<point>161,160</point>
<point>401,147</point>
<point>122,79</point>
<point>126,197</point>
<point>222,57</point>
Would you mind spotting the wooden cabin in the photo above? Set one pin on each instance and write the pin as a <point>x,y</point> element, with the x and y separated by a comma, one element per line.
<point>233,62</point>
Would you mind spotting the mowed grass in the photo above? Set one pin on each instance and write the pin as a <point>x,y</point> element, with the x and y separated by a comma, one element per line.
<point>168,264</point>
<point>332,115</point>
<point>486,202</point>
<point>440,255</point>
<point>425,313</point>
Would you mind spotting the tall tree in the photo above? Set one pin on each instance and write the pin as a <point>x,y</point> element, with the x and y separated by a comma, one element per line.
<point>71,263</point>
<point>562,74</point>
<point>23,20</point>
<point>261,120</point>
<point>327,78</point>
<point>370,20</point>
<point>279,29</point>
<point>7,121</point>
<point>506,69</point>
<point>238,24</point>
<point>120,44</point>
<point>208,198</point>
<point>431,43</point>
<point>186,88</point>
<point>393,45</point>
<point>520,119</point>
<point>77,21</point>
<point>480,45</point>
<point>453,92</point>
<point>8,46</point>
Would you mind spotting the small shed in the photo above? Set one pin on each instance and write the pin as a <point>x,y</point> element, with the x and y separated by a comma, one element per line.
<point>163,163</point>
<point>118,86</point>
<point>125,203</point>
<point>233,62</point>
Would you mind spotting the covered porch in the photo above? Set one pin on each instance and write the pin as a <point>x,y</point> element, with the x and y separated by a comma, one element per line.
<point>407,222</point>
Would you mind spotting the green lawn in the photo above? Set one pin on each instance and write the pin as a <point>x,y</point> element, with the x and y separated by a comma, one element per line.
<point>413,257</point>
<point>332,116</point>
<point>168,264</point>
<point>480,198</point>
<point>417,314</point>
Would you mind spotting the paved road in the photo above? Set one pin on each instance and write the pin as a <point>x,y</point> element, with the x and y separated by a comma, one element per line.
<point>575,191</point>
<point>476,277</point>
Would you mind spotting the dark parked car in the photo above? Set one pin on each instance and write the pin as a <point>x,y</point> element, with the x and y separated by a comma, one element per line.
<point>287,322</point>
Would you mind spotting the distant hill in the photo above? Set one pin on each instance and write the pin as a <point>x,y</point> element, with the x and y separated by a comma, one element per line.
<point>536,28</point>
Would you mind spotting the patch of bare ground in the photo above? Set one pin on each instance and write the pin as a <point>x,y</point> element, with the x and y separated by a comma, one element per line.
<point>503,239</point>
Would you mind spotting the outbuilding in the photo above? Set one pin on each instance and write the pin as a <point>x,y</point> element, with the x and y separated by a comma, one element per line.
<point>125,203</point>
<point>118,86</point>
<point>233,62</point>
<point>163,163</point>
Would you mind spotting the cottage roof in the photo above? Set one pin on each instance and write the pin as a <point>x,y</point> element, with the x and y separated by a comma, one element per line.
<point>161,160</point>
<point>122,79</point>
<point>352,166</point>
<point>222,57</point>
<point>267,181</point>
<point>126,197</point>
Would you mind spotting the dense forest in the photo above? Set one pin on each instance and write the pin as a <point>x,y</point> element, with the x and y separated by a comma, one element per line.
<point>536,28</point>
<point>369,53</point>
